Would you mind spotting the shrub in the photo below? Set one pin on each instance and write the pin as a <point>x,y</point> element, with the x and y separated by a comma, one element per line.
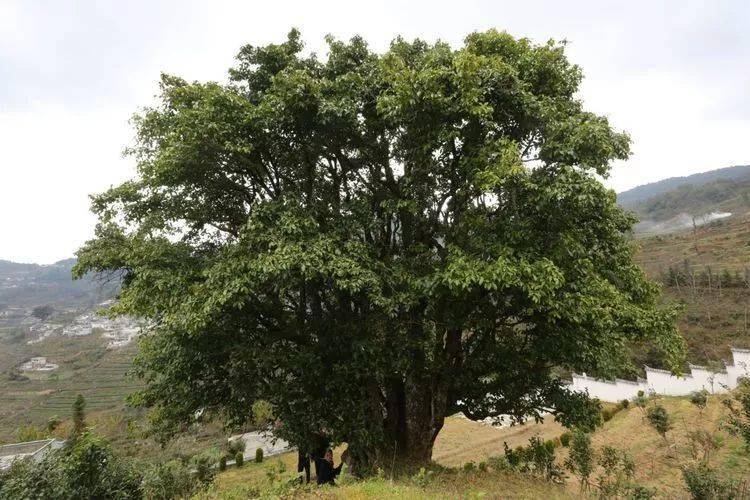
<point>223,463</point>
<point>498,463</point>
<point>581,458</point>
<point>204,468</point>
<point>29,433</point>
<point>169,480</point>
<point>258,455</point>
<point>421,479</point>
<point>537,458</point>
<point>262,413</point>
<point>470,467</point>
<point>659,419</point>
<point>565,438</point>
<point>86,469</point>
<point>607,414</point>
<point>625,404</point>
<point>703,483</point>
<point>346,477</point>
<point>699,399</point>
<point>234,446</point>
<point>542,456</point>
<point>239,459</point>
<point>617,471</point>
<point>738,420</point>
<point>638,492</point>
<point>53,423</point>
<point>482,466</point>
<point>704,441</point>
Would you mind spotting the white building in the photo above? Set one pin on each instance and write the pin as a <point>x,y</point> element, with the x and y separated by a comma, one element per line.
<point>663,382</point>
<point>39,364</point>
<point>32,450</point>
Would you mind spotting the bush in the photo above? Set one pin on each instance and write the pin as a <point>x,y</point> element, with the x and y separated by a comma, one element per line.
<point>565,438</point>
<point>638,492</point>
<point>204,468</point>
<point>498,463</point>
<point>625,404</point>
<point>86,469</point>
<point>703,483</point>
<point>239,459</point>
<point>659,419</point>
<point>420,479</point>
<point>30,433</point>
<point>223,463</point>
<point>738,420</point>
<point>53,423</point>
<point>537,458</point>
<point>235,446</point>
<point>169,480</point>
<point>262,413</point>
<point>699,399</point>
<point>258,455</point>
<point>482,466</point>
<point>581,458</point>
<point>470,467</point>
<point>618,470</point>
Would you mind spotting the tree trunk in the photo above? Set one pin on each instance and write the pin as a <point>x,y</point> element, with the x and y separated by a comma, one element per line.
<point>413,419</point>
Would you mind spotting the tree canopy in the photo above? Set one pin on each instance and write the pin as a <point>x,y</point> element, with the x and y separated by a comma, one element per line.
<point>371,242</point>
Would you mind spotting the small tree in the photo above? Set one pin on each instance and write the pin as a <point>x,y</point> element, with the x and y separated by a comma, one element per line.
<point>618,469</point>
<point>239,459</point>
<point>738,420</point>
<point>53,423</point>
<point>79,417</point>
<point>262,413</point>
<point>659,419</point>
<point>42,312</point>
<point>581,458</point>
<point>703,483</point>
<point>223,463</point>
<point>258,455</point>
<point>699,399</point>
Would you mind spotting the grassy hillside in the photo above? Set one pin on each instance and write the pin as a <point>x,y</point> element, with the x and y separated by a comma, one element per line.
<point>658,461</point>
<point>715,312</point>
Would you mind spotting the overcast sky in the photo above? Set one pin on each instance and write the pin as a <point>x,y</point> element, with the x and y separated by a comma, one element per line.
<point>675,75</point>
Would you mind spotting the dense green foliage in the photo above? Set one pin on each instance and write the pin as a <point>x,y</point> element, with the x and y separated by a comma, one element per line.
<point>372,242</point>
<point>87,469</point>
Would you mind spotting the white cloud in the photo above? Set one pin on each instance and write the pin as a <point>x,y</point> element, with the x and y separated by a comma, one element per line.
<point>673,74</point>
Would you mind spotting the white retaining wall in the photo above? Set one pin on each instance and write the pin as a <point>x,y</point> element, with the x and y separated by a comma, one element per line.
<point>663,382</point>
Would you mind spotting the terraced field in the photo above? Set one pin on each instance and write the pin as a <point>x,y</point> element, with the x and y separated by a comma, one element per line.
<point>85,368</point>
<point>712,319</point>
<point>722,244</point>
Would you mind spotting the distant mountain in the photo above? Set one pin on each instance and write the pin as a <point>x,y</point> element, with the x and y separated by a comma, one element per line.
<point>679,202</point>
<point>632,197</point>
<point>30,285</point>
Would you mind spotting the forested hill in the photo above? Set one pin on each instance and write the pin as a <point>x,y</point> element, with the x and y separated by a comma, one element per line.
<point>30,285</point>
<point>675,203</point>
<point>640,194</point>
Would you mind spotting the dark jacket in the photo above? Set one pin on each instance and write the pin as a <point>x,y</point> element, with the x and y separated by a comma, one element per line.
<point>326,471</point>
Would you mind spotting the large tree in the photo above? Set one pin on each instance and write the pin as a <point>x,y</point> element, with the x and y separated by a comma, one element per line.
<point>372,242</point>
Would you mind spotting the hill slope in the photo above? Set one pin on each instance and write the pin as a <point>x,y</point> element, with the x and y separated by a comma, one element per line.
<point>639,194</point>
